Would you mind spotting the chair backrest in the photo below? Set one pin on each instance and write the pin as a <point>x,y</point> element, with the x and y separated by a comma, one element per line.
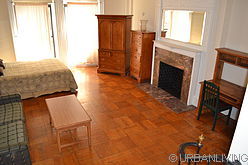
<point>211,94</point>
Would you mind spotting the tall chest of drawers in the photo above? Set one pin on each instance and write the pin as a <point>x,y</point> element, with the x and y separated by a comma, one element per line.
<point>141,55</point>
<point>114,43</point>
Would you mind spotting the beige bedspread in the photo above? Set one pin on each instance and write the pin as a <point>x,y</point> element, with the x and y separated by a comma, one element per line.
<point>32,79</point>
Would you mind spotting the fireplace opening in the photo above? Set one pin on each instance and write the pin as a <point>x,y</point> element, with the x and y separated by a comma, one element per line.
<point>170,79</point>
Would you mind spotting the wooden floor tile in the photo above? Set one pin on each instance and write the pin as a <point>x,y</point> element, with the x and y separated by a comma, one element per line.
<point>128,126</point>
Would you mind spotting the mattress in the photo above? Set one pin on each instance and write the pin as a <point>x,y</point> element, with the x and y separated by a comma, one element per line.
<point>36,78</point>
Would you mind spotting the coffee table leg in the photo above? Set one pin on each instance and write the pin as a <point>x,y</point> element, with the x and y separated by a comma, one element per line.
<point>50,119</point>
<point>89,133</point>
<point>51,123</point>
<point>58,141</point>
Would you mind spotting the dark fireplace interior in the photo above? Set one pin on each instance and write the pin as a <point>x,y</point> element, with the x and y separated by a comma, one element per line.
<point>170,79</point>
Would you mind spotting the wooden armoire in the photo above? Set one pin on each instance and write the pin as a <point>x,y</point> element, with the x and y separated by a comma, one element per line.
<point>114,43</point>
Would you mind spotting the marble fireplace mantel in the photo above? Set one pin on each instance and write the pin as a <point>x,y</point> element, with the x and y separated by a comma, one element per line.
<point>185,51</point>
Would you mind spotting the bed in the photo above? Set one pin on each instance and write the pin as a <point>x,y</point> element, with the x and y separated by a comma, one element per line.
<point>33,79</point>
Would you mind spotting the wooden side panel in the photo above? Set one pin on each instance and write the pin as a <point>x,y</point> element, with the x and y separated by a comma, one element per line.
<point>135,66</point>
<point>136,39</point>
<point>146,63</point>
<point>128,42</point>
<point>218,68</point>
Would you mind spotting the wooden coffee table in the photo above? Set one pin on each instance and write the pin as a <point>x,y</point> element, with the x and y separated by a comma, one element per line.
<point>66,114</point>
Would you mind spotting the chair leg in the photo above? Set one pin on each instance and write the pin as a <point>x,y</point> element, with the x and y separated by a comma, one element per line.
<point>229,115</point>
<point>215,119</point>
<point>199,112</point>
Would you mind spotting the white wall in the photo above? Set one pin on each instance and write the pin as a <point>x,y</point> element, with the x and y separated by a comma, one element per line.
<point>239,144</point>
<point>235,37</point>
<point>6,41</point>
<point>117,7</point>
<point>140,9</point>
<point>144,10</point>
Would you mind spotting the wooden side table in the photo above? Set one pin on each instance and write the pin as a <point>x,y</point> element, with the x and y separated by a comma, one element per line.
<point>66,113</point>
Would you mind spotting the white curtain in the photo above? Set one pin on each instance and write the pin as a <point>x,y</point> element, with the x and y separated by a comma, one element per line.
<point>61,31</point>
<point>33,40</point>
<point>82,33</point>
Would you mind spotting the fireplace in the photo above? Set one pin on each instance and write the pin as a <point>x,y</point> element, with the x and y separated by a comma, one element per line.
<point>170,79</point>
<point>177,80</point>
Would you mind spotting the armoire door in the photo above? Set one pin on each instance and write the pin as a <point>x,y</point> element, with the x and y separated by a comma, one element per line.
<point>118,34</point>
<point>105,38</point>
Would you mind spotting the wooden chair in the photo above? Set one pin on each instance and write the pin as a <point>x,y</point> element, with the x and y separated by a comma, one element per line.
<point>211,100</point>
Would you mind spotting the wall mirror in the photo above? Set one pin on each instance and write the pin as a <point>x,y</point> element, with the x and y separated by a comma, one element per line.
<point>183,25</point>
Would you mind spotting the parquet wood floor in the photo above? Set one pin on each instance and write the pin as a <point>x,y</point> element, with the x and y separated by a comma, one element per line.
<point>128,127</point>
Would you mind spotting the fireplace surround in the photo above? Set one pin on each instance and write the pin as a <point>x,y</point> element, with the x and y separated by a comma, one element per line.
<point>179,61</point>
